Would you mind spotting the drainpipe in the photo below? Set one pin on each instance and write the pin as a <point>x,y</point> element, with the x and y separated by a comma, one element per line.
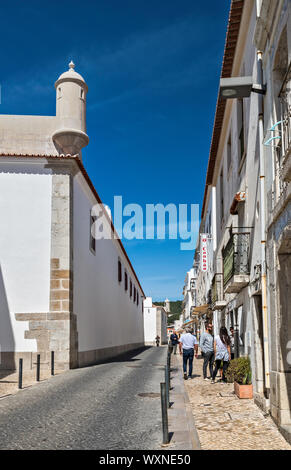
<point>263,227</point>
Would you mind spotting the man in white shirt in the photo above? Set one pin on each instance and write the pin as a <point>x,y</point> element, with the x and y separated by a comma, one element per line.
<point>187,343</point>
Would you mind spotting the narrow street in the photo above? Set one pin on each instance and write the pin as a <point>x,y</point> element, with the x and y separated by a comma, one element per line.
<point>97,407</point>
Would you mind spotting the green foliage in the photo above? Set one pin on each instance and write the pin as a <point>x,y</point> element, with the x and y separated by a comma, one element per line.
<point>175,306</point>
<point>240,371</point>
<point>176,310</point>
<point>172,318</point>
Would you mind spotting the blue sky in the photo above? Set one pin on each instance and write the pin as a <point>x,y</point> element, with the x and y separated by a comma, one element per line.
<point>152,68</point>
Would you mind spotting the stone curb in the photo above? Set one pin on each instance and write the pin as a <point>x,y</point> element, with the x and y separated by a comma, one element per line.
<point>181,420</point>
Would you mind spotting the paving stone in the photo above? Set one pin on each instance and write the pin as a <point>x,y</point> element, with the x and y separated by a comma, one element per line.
<point>224,422</point>
<point>96,407</point>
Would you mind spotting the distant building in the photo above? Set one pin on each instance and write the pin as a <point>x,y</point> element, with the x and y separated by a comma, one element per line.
<point>189,295</point>
<point>167,306</point>
<point>155,322</point>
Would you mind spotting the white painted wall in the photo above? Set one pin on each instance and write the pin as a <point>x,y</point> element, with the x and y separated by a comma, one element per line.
<point>25,213</point>
<point>150,324</point>
<point>164,324</point>
<point>106,316</point>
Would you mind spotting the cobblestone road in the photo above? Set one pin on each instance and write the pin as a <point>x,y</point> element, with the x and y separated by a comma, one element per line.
<point>97,407</point>
<point>224,422</point>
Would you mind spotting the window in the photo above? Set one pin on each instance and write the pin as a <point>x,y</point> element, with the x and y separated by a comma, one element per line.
<point>240,129</point>
<point>130,288</point>
<point>125,281</point>
<point>221,196</point>
<point>134,294</point>
<point>137,299</point>
<point>229,152</point>
<point>119,271</point>
<point>92,234</point>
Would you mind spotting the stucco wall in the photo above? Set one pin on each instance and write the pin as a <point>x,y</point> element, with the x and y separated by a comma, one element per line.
<point>150,324</point>
<point>106,315</point>
<point>25,211</point>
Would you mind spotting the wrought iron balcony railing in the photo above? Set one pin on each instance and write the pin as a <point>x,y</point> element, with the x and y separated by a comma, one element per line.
<point>214,290</point>
<point>217,289</point>
<point>236,256</point>
<point>285,99</point>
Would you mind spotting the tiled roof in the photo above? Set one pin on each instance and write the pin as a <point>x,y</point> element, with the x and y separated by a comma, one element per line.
<point>233,28</point>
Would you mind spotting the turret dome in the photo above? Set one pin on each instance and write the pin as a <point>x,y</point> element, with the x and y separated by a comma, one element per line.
<point>70,135</point>
<point>71,76</point>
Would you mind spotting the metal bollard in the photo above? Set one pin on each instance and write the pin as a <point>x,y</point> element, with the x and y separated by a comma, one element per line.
<point>167,382</point>
<point>38,368</point>
<point>52,363</point>
<point>164,414</point>
<point>169,361</point>
<point>20,372</point>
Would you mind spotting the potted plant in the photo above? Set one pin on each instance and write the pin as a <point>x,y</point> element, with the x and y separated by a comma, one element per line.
<point>239,372</point>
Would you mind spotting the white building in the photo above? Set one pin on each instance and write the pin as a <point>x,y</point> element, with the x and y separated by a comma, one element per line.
<point>246,210</point>
<point>155,322</point>
<point>188,290</point>
<point>178,323</point>
<point>60,289</point>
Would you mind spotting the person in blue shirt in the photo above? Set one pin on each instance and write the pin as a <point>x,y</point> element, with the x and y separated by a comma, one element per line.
<point>174,341</point>
<point>187,343</point>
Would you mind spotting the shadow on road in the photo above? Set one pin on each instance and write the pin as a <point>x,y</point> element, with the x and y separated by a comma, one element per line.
<point>129,356</point>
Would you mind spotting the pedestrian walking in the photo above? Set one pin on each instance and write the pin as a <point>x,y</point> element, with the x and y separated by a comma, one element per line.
<point>157,341</point>
<point>222,352</point>
<point>174,340</point>
<point>187,344</point>
<point>207,348</point>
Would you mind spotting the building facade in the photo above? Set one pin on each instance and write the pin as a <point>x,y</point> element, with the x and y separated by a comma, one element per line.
<point>189,295</point>
<point>61,289</point>
<point>155,322</point>
<point>246,209</point>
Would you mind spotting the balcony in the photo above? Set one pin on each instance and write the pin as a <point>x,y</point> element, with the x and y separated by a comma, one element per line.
<point>280,192</point>
<point>217,294</point>
<point>236,263</point>
<point>285,99</point>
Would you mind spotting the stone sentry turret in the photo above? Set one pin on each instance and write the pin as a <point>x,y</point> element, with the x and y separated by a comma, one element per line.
<point>71,90</point>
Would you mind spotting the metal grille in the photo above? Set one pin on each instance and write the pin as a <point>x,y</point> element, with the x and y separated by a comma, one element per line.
<point>285,98</point>
<point>236,256</point>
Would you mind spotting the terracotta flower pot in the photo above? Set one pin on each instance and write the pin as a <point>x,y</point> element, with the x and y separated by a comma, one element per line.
<point>243,391</point>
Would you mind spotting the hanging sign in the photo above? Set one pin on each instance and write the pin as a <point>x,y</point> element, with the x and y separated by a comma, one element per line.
<point>204,252</point>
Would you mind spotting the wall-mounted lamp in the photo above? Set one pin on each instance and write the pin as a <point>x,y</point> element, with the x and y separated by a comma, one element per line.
<point>239,87</point>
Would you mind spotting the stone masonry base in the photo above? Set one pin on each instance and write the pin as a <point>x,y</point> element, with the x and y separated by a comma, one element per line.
<point>10,360</point>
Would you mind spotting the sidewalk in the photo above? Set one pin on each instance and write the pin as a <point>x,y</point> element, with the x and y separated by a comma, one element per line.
<point>181,423</point>
<point>224,422</point>
<point>9,380</point>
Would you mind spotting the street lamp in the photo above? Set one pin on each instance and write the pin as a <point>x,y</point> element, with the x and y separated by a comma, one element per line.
<point>239,87</point>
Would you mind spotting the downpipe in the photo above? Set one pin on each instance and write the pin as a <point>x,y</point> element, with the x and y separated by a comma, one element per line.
<point>263,229</point>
